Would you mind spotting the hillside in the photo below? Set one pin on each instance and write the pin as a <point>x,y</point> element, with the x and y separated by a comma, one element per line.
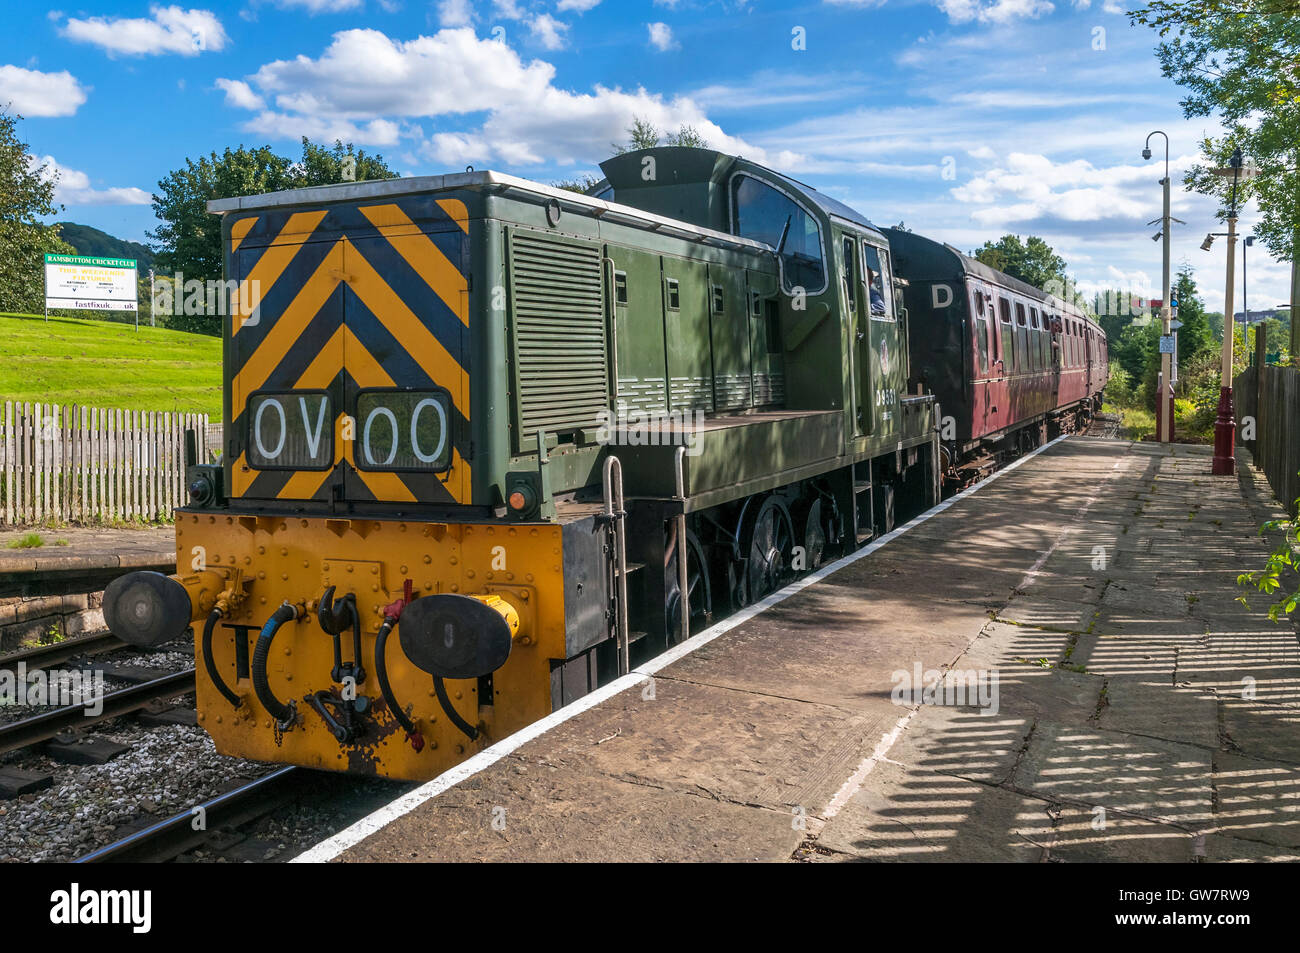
<point>91,241</point>
<point>103,364</point>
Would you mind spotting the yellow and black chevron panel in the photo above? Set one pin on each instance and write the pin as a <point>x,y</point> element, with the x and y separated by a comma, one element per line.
<point>348,353</point>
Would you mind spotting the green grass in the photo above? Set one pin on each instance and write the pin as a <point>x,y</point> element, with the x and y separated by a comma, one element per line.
<point>104,364</point>
<point>30,541</point>
<point>1135,423</point>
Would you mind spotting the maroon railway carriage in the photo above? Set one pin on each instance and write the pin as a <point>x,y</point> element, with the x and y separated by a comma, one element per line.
<point>1012,366</point>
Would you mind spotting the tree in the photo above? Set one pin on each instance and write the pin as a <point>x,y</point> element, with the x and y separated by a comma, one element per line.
<point>642,134</point>
<point>189,239</point>
<point>322,166</point>
<point>583,183</point>
<point>1194,337</point>
<point>1033,261</point>
<point>1239,59</point>
<point>26,196</point>
<point>687,137</point>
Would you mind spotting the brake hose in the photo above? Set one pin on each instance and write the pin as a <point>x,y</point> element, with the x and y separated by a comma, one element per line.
<point>283,714</point>
<point>210,663</point>
<point>385,689</point>
<point>470,731</point>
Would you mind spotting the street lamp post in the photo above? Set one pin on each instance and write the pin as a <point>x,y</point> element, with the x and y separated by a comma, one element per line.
<point>1225,426</point>
<point>1164,398</point>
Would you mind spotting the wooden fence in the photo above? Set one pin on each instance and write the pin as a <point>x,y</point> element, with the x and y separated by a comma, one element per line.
<point>1276,443</point>
<point>92,464</point>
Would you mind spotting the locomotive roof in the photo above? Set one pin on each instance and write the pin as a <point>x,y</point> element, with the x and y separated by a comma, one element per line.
<point>409,185</point>
<point>709,172</point>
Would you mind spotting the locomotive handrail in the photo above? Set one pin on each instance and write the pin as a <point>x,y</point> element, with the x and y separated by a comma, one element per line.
<point>683,550</point>
<point>612,485</point>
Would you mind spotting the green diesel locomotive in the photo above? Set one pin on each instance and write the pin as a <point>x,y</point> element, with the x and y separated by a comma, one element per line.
<point>489,442</point>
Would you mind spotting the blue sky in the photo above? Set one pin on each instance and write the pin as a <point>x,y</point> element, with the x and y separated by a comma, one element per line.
<point>965,119</point>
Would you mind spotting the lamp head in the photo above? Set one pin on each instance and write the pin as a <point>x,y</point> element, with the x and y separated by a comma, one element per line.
<point>1146,153</point>
<point>1205,245</point>
<point>1236,159</point>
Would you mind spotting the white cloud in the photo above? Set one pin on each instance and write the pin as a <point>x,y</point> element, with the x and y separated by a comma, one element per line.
<point>376,132</point>
<point>240,95</point>
<point>319,6</point>
<point>1030,188</point>
<point>577,6</point>
<point>74,188</point>
<point>661,36</point>
<point>548,31</point>
<point>994,11</point>
<point>364,73</point>
<point>169,30</point>
<point>452,13</point>
<point>33,93</point>
<point>368,88</point>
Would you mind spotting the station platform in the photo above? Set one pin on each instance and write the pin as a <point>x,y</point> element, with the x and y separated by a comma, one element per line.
<point>87,549</point>
<point>1122,705</point>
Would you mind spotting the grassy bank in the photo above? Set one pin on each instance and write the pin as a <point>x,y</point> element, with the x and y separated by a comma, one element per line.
<point>105,364</point>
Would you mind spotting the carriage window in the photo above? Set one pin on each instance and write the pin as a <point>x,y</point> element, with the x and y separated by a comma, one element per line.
<point>981,325</point>
<point>719,300</point>
<point>1004,306</point>
<point>762,213</point>
<point>1033,318</point>
<point>874,262</point>
<point>1020,314</point>
<point>620,287</point>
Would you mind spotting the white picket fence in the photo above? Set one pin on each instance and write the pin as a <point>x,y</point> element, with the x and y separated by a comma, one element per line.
<point>91,464</point>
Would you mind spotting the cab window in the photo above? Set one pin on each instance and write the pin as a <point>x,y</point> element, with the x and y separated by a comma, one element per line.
<point>763,213</point>
<point>874,263</point>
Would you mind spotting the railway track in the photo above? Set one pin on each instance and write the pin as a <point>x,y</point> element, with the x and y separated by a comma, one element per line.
<point>40,657</point>
<point>176,835</point>
<point>27,732</point>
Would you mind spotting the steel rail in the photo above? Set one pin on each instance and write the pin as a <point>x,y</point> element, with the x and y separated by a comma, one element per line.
<point>47,656</point>
<point>174,836</point>
<point>31,731</point>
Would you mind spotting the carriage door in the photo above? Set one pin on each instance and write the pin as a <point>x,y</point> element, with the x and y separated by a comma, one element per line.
<point>855,310</point>
<point>1087,343</point>
<point>1056,327</point>
<point>883,350</point>
<point>405,353</point>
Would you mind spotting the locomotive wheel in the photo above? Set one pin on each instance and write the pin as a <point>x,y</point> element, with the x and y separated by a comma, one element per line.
<point>814,535</point>
<point>768,544</point>
<point>699,591</point>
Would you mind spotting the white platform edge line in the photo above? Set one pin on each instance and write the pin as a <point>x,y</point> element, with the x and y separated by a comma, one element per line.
<point>331,847</point>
